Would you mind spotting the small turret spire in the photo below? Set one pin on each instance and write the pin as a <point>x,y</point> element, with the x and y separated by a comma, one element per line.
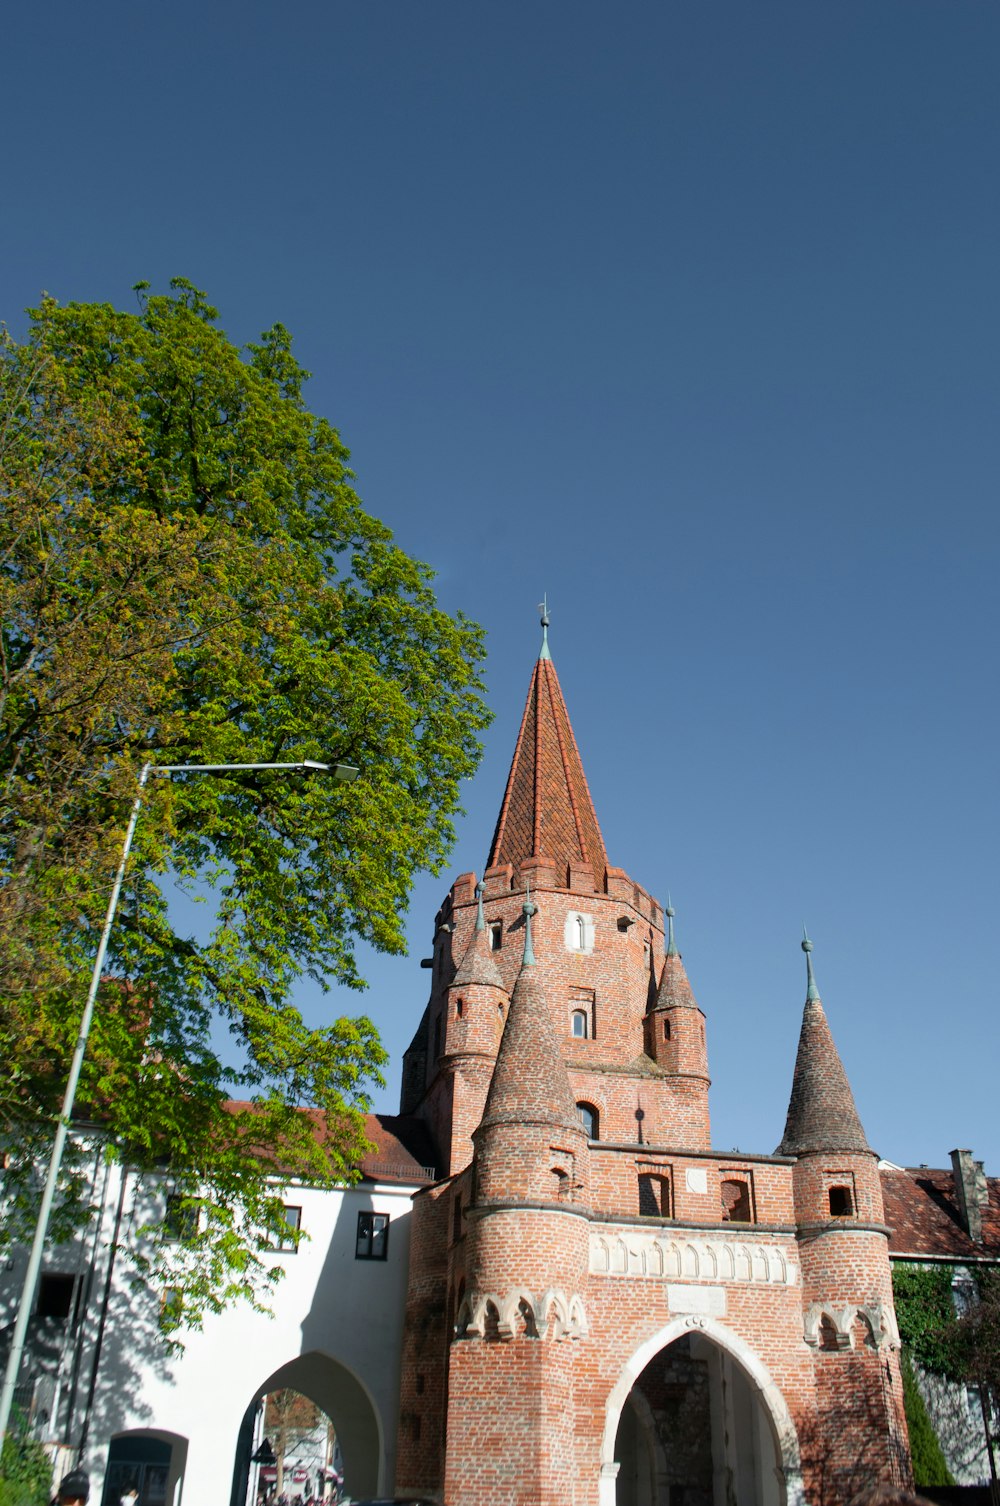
<point>822,1115</point>
<point>529,908</point>
<point>671,942</point>
<point>480,917</point>
<point>812,992</point>
<point>543,607</point>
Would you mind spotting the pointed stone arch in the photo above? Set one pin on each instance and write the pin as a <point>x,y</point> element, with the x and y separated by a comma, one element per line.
<point>772,1402</point>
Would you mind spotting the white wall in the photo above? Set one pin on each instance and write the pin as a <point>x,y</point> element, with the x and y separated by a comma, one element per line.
<point>347,1314</point>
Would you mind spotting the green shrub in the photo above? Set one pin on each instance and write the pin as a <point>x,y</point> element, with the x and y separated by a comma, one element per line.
<point>929,1467</point>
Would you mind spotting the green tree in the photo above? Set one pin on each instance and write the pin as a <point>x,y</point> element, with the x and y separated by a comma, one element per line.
<point>187,576</point>
<point>25,1468</point>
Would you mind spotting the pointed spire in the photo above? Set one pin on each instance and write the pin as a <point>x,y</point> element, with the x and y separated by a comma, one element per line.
<point>547,811</point>
<point>674,990</point>
<point>821,1111</point>
<point>812,992</point>
<point>671,943</point>
<point>478,965</point>
<point>530,1083</point>
<point>543,607</point>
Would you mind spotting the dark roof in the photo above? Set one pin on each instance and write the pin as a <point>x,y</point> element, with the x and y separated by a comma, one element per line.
<point>821,1111</point>
<point>403,1149</point>
<point>547,811</point>
<point>923,1213</point>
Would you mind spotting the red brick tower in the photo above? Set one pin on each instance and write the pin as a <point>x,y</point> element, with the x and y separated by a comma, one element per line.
<point>598,937</point>
<point>844,1252</point>
<point>602,1308</point>
<point>675,1037</point>
<point>525,1262</point>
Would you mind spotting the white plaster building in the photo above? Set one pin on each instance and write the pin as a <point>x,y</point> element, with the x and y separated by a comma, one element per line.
<point>97,1369</point>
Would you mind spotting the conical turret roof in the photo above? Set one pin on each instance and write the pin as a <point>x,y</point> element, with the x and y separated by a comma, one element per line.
<point>478,965</point>
<point>821,1112</point>
<point>530,1082</point>
<point>674,990</point>
<point>547,811</point>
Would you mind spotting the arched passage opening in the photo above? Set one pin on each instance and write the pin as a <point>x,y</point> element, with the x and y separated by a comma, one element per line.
<point>343,1398</point>
<point>696,1419</point>
<point>149,1459</point>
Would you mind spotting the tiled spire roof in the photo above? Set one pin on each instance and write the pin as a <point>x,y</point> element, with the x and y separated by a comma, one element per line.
<point>478,965</point>
<point>674,989</point>
<point>821,1112</point>
<point>547,811</point>
<point>530,1082</point>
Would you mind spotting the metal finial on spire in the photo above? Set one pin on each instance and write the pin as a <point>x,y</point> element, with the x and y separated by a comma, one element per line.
<point>480,917</point>
<point>671,943</point>
<point>529,909</point>
<point>543,607</point>
<point>812,992</point>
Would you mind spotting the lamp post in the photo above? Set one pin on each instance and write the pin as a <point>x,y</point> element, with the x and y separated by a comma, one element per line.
<point>342,773</point>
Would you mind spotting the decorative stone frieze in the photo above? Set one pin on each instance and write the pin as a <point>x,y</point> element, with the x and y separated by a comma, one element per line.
<point>520,1312</point>
<point>876,1319</point>
<point>700,1257</point>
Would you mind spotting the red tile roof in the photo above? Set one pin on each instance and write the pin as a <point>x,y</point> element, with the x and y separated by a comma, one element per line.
<point>547,811</point>
<point>923,1213</point>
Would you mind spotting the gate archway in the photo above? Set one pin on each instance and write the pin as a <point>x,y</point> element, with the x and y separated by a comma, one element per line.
<point>695,1416</point>
<point>345,1399</point>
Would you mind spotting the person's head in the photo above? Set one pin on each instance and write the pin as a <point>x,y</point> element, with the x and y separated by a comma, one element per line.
<point>130,1494</point>
<point>74,1489</point>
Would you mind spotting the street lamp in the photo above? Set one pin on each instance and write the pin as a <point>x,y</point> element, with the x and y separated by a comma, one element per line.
<point>343,773</point>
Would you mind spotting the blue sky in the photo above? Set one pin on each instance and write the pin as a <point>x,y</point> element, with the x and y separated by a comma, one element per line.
<point>687,315</point>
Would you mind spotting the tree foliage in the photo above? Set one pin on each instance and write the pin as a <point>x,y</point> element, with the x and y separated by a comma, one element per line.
<point>25,1468</point>
<point>187,576</point>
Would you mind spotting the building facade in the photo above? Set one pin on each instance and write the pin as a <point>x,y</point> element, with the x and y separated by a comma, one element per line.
<point>603,1308</point>
<point>548,1286</point>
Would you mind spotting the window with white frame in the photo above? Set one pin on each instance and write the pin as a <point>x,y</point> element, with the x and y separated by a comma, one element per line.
<point>373,1236</point>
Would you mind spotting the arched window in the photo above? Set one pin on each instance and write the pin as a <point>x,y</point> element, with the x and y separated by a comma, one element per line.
<point>589,1119</point>
<point>581,1024</point>
<point>580,933</point>
<point>666,1029</point>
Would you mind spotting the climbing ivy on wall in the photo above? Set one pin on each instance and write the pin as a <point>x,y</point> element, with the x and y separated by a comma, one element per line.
<point>925,1312</point>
